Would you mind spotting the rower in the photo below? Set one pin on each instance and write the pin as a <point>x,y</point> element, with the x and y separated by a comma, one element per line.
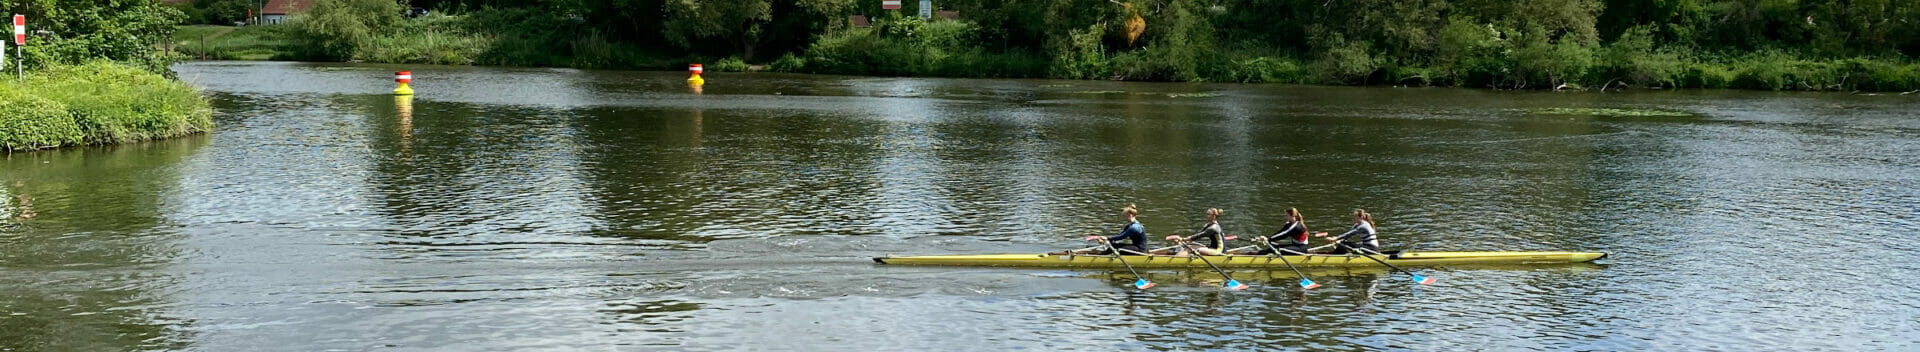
<point>1133,233</point>
<point>1215,238</point>
<point>1290,240</point>
<point>1362,236</point>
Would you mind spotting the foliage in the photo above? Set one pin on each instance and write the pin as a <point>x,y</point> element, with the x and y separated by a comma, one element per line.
<point>336,29</point>
<point>30,122</point>
<point>98,102</point>
<point>730,64</point>
<point>1762,44</point>
<point>730,21</point>
<point>76,31</point>
<point>788,63</point>
<point>914,48</point>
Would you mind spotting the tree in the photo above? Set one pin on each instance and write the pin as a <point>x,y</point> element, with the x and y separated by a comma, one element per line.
<point>84,30</point>
<point>732,21</point>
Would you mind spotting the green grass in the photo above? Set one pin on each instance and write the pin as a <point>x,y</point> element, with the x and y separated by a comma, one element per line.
<point>229,43</point>
<point>100,102</point>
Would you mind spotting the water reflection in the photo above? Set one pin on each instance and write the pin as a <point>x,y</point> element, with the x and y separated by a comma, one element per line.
<point>81,238</point>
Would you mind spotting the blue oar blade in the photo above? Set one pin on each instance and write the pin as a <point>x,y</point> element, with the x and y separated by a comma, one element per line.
<point>1142,284</point>
<point>1236,285</point>
<point>1308,284</point>
<point>1423,280</point>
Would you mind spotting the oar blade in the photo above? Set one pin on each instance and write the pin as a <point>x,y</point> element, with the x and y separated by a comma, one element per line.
<point>1306,284</point>
<point>1423,280</point>
<point>1236,285</point>
<point>1142,284</point>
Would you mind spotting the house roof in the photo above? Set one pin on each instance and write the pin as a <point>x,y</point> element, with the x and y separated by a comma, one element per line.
<point>286,7</point>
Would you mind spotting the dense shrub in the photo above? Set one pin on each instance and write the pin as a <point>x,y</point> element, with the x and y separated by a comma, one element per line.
<point>788,63</point>
<point>338,29</point>
<point>97,103</point>
<point>730,64</point>
<point>29,122</point>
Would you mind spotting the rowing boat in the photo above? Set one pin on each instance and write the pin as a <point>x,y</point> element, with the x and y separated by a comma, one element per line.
<point>1408,258</point>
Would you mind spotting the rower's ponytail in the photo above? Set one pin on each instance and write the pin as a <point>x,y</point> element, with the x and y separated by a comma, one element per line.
<point>1131,210</point>
<point>1297,218</point>
<point>1364,216</point>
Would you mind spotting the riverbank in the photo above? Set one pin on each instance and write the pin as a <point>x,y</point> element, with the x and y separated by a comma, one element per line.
<point>939,49</point>
<point>100,102</point>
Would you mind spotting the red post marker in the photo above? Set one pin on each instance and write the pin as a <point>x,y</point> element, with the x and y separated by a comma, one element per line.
<point>19,29</point>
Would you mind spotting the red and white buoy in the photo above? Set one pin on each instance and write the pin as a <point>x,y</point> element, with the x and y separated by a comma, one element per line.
<point>695,80</point>
<point>403,77</point>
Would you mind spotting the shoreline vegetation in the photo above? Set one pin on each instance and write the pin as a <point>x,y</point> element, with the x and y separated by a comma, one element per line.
<point>1554,44</point>
<point>99,102</point>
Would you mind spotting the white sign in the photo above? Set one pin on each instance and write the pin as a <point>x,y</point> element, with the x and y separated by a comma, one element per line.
<point>926,9</point>
<point>890,4</point>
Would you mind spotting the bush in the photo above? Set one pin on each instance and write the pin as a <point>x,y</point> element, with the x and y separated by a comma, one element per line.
<point>1345,62</point>
<point>338,29</point>
<point>1634,60</point>
<point>1081,55</point>
<point>1701,75</point>
<point>29,122</point>
<point>917,49</point>
<point>788,63</point>
<point>729,64</point>
<point>435,40</point>
<point>1765,71</point>
<point>115,103</point>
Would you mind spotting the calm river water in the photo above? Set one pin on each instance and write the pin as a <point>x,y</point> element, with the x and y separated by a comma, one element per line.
<point>524,208</point>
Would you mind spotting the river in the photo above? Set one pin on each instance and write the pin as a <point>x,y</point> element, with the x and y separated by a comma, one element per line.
<point>560,209</point>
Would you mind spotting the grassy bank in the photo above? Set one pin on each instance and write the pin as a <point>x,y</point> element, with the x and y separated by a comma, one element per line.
<point>99,102</point>
<point>229,43</point>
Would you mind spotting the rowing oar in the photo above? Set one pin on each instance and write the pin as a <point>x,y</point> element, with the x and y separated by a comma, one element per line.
<point>1231,283</point>
<point>1416,277</point>
<point>1139,281</point>
<point>1305,283</point>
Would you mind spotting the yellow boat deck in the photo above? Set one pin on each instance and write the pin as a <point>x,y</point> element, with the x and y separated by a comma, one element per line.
<point>1410,258</point>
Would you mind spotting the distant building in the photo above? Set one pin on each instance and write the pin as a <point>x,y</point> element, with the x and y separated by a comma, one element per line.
<point>277,11</point>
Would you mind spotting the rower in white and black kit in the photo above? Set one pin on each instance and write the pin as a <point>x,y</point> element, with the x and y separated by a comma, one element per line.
<point>1214,238</point>
<point>1362,236</point>
<point>1290,240</point>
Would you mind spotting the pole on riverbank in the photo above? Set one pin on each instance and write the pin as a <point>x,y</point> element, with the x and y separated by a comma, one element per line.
<point>403,77</point>
<point>19,40</point>
<point>695,80</point>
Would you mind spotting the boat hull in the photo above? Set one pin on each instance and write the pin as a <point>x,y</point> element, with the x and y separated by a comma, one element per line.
<point>1245,261</point>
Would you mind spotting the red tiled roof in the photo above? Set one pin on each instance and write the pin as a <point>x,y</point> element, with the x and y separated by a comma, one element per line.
<point>286,7</point>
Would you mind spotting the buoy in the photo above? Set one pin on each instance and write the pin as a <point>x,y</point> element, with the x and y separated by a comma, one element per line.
<point>695,80</point>
<point>404,77</point>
